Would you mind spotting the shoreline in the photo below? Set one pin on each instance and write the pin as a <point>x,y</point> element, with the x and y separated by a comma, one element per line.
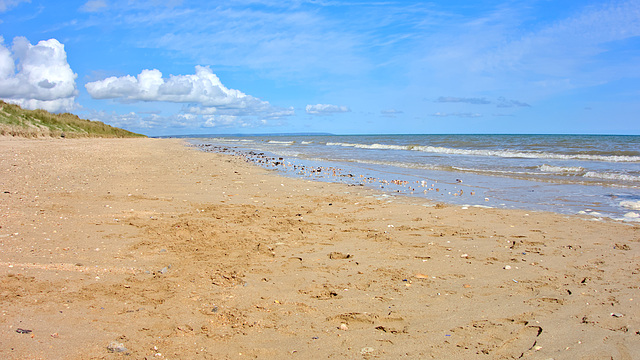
<point>172,251</point>
<point>599,202</point>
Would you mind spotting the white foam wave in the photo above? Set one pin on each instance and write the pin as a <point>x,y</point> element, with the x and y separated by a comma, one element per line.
<point>610,176</point>
<point>496,153</point>
<point>505,172</point>
<point>371,146</point>
<point>223,140</point>
<point>526,154</point>
<point>560,169</point>
<point>280,142</point>
<point>633,205</point>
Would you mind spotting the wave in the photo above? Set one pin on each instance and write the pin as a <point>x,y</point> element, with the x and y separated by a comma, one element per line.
<point>228,140</point>
<point>611,176</point>
<point>633,205</point>
<point>371,146</point>
<point>280,142</point>
<point>560,169</point>
<point>495,153</point>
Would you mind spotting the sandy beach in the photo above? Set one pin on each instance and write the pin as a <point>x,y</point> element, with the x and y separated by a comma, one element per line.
<point>147,248</point>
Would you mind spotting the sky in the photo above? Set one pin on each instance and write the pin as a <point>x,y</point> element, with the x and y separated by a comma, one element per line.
<point>176,67</point>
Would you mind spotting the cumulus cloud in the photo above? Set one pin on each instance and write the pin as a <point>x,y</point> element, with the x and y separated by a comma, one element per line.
<point>223,121</point>
<point>476,101</point>
<point>326,109</point>
<point>37,76</point>
<point>203,91</point>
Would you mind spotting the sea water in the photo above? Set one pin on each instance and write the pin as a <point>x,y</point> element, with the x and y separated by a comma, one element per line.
<point>596,175</point>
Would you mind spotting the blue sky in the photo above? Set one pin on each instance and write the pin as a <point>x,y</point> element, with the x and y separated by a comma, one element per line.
<point>345,67</point>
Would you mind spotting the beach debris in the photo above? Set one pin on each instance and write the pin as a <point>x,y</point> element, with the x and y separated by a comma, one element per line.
<point>421,276</point>
<point>621,247</point>
<point>367,350</point>
<point>507,267</point>
<point>618,315</point>
<point>115,346</point>
<point>336,255</point>
<point>343,327</point>
<point>164,270</point>
<point>23,331</point>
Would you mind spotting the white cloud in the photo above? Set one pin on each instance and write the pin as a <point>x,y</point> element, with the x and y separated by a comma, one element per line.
<point>223,121</point>
<point>42,78</point>
<point>503,103</point>
<point>500,102</point>
<point>208,103</point>
<point>457,114</point>
<point>326,109</point>
<point>94,6</point>
<point>203,90</point>
<point>476,101</point>
<point>8,4</point>
<point>391,113</point>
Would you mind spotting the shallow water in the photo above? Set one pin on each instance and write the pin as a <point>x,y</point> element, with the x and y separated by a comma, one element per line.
<point>569,174</point>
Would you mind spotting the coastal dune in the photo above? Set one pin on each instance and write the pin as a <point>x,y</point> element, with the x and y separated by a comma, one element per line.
<point>147,248</point>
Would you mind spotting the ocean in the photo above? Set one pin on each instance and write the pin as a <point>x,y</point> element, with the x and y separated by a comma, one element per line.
<point>595,175</point>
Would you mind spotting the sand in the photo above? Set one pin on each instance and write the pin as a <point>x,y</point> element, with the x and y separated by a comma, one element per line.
<point>146,248</point>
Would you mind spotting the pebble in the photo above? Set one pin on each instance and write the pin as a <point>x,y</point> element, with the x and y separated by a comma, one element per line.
<point>507,267</point>
<point>116,347</point>
<point>344,327</point>
<point>367,350</point>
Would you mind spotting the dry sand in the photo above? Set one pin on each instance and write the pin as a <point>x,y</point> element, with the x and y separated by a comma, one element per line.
<point>179,254</point>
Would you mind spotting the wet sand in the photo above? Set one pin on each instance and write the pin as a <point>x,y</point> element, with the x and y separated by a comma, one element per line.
<point>146,248</point>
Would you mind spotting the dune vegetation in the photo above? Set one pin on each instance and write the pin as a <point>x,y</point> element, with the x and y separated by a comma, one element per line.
<point>19,122</point>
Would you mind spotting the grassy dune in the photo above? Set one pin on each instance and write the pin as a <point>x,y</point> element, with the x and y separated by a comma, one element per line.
<point>16,121</point>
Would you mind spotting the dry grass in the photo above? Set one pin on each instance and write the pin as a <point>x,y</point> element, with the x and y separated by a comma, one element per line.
<point>18,122</point>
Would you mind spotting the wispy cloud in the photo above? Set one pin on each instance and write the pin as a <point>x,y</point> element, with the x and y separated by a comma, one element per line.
<point>326,109</point>
<point>457,114</point>
<point>93,6</point>
<point>500,101</point>
<point>504,103</point>
<point>477,101</point>
<point>8,4</point>
<point>391,113</point>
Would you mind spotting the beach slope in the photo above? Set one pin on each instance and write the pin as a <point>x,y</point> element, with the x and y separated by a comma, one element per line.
<point>146,248</point>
